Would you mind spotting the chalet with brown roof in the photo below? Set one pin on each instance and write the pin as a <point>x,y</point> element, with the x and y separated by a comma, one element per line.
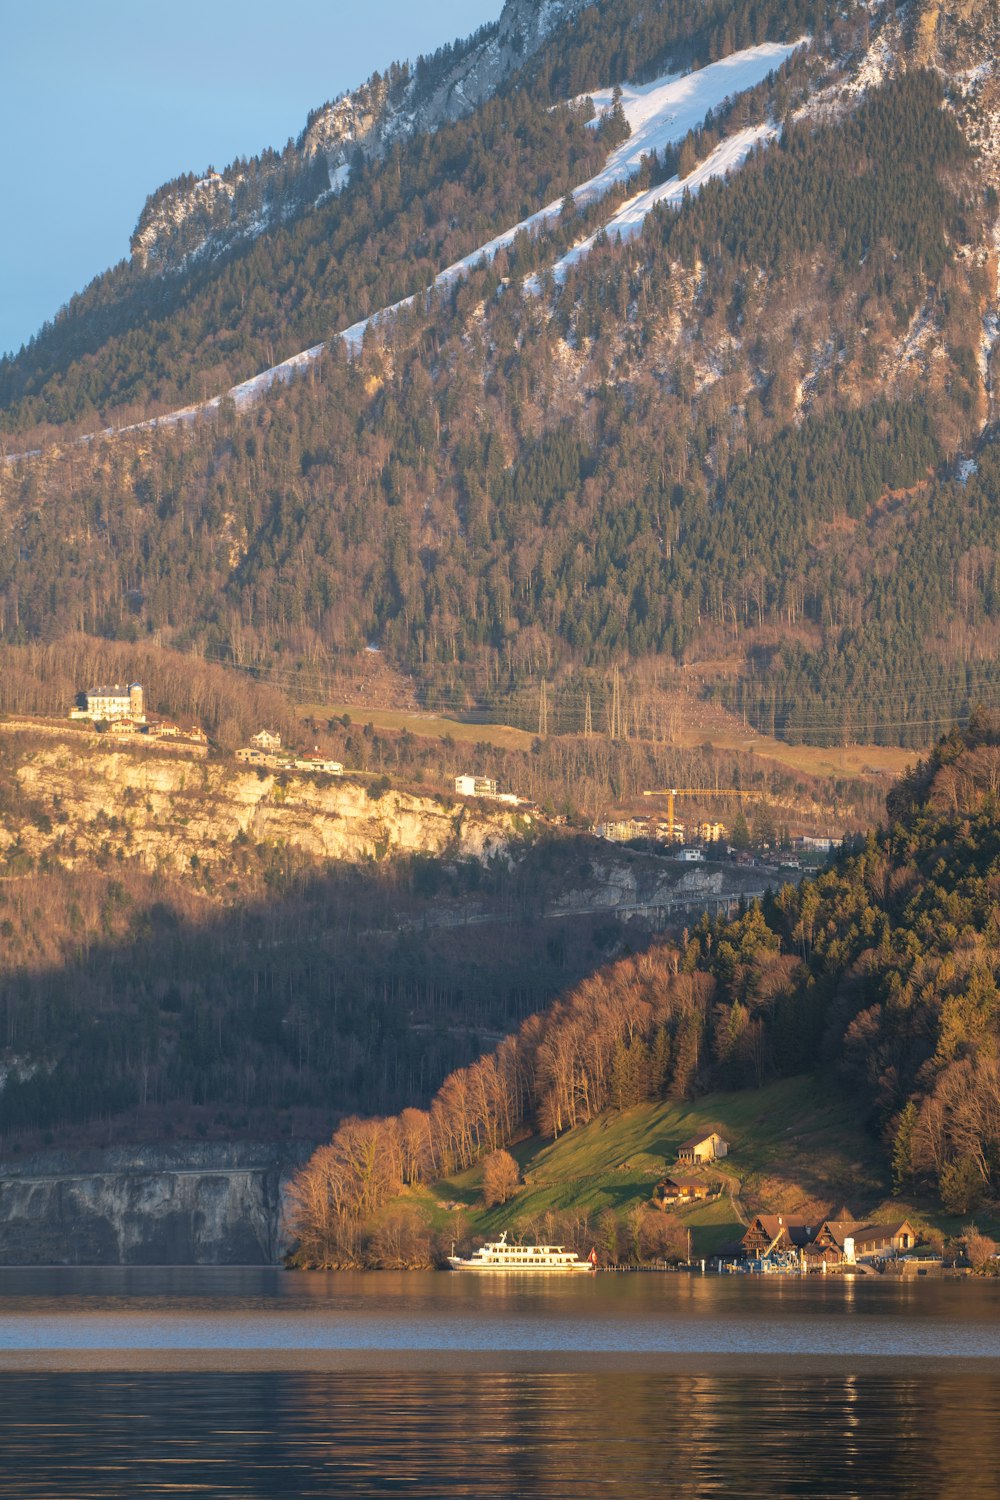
<point>683,1189</point>
<point>709,1146</point>
<point>828,1245</point>
<point>769,1233</point>
<point>840,1241</point>
<point>835,1242</point>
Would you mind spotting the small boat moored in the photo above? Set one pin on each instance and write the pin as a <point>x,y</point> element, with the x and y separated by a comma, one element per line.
<point>498,1256</point>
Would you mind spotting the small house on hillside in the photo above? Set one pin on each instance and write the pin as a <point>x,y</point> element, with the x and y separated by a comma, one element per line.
<point>677,1189</point>
<point>266,739</point>
<point>707,1147</point>
<point>160,728</point>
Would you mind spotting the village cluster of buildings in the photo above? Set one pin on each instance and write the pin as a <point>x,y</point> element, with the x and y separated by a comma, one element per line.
<point>121,708</point>
<point>265,749</point>
<point>778,1242</point>
<point>621,830</point>
<point>122,712</point>
<point>691,843</point>
<point>775,1241</point>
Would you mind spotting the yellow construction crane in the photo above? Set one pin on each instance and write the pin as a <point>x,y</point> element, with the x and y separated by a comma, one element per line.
<point>670,792</point>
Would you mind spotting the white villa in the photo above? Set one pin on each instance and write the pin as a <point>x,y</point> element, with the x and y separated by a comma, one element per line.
<point>115,702</point>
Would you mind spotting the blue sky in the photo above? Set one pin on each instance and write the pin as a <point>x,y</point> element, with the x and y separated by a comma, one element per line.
<point>101,102</point>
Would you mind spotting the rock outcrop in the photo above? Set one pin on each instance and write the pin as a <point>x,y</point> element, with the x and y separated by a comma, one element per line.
<point>202,1204</point>
<point>194,217</point>
<point>167,809</point>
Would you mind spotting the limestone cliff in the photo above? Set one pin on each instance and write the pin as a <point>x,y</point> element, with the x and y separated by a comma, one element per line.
<point>200,1204</point>
<point>76,802</point>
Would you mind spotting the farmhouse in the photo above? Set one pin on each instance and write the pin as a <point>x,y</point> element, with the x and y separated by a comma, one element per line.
<point>707,1147</point>
<point>832,1242</point>
<point>250,756</point>
<point>682,1190</point>
<point>884,1240</point>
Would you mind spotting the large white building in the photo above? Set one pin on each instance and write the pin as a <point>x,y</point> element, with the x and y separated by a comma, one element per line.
<point>475,786</point>
<point>484,786</point>
<point>116,702</point>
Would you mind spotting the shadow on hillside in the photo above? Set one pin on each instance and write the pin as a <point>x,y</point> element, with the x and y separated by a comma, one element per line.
<point>339,990</point>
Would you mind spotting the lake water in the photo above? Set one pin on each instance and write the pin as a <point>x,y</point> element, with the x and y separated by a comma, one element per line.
<point>244,1383</point>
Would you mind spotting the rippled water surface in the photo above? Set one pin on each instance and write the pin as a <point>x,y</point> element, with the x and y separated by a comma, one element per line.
<point>143,1382</point>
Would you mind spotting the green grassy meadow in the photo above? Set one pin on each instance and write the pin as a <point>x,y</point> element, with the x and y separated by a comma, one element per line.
<point>796,1147</point>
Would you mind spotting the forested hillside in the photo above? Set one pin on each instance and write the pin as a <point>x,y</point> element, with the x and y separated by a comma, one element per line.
<point>729,444</point>
<point>400,218</point>
<point>880,974</point>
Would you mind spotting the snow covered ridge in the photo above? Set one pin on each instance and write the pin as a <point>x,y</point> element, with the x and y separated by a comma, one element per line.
<point>193,220</point>
<point>660,114</point>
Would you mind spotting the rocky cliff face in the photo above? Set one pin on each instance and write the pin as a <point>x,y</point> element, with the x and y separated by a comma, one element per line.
<point>166,809</point>
<point>192,217</point>
<point>187,1205</point>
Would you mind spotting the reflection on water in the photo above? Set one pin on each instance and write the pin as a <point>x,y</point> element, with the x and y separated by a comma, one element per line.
<point>439,1435</point>
<point>437,1386</point>
<point>72,1318</point>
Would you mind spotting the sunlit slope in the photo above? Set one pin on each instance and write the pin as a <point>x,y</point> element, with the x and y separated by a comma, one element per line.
<point>796,1146</point>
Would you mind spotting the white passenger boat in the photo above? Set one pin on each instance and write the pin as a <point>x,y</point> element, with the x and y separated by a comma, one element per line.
<point>499,1256</point>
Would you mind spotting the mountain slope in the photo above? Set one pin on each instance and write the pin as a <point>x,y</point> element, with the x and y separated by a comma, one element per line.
<point>726,437</point>
<point>316,262</point>
<point>659,116</point>
<point>205,216</point>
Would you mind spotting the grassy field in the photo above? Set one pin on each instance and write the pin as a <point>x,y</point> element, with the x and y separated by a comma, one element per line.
<point>816,760</point>
<point>839,761</point>
<point>795,1148</point>
<point>431,726</point>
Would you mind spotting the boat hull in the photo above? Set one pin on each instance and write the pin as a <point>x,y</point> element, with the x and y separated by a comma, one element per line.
<point>457,1264</point>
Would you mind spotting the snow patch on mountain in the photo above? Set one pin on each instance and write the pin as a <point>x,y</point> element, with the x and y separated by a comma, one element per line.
<point>660,114</point>
<point>727,157</point>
